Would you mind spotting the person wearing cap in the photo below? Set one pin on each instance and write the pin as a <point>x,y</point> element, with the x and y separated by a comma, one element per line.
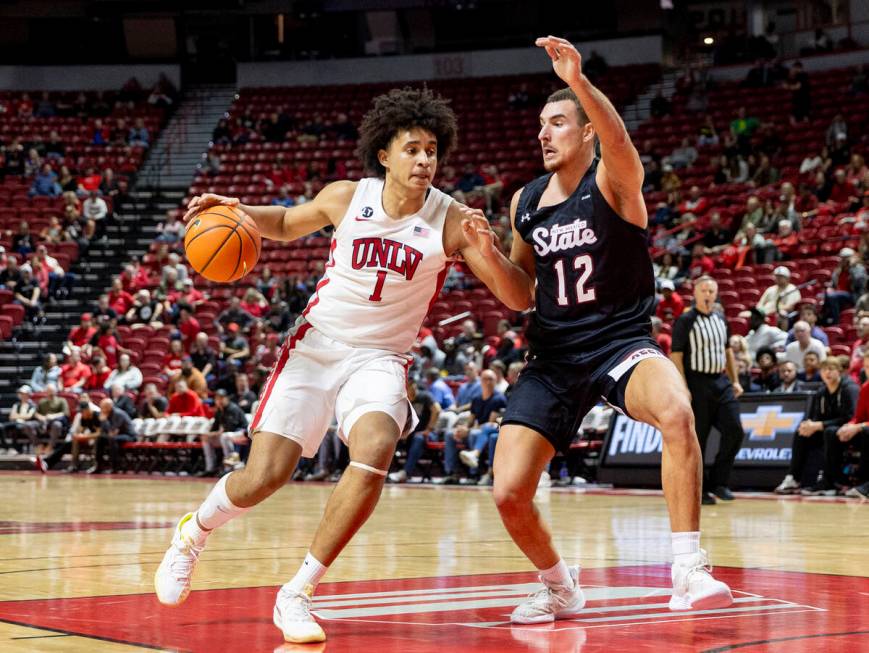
<point>81,335</point>
<point>234,345</point>
<point>671,305</point>
<point>847,283</point>
<point>229,423</point>
<point>21,416</point>
<point>781,297</point>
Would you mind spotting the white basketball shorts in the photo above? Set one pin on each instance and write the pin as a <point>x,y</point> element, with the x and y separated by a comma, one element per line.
<point>316,377</point>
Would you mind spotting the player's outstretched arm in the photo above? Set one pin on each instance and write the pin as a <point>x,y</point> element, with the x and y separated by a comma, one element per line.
<point>285,224</point>
<point>512,280</point>
<point>622,170</point>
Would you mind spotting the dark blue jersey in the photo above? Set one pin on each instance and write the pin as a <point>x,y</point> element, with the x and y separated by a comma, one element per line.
<point>594,272</point>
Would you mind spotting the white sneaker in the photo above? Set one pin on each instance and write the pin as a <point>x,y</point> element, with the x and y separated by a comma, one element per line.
<point>470,458</point>
<point>172,580</point>
<point>293,616</point>
<point>694,588</point>
<point>788,486</point>
<point>545,480</point>
<point>398,477</point>
<point>551,603</point>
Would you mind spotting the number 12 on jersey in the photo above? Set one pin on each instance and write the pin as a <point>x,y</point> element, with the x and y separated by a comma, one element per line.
<point>584,265</point>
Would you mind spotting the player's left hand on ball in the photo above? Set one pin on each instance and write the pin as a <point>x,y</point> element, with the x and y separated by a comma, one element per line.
<point>206,200</point>
<point>477,231</point>
<point>566,60</point>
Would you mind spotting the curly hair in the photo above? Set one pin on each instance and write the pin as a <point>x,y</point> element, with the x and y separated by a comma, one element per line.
<point>402,109</point>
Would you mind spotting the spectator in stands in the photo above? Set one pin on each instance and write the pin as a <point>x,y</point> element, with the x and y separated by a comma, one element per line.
<point>468,182</point>
<point>842,191</point>
<point>670,181</point>
<point>801,95</point>
<point>762,335</point>
<point>786,241</point>
<point>99,374</point>
<point>222,134</point>
<point>695,202</point>
<point>667,268</point>
<point>144,311</point>
<point>660,106</point>
<point>803,344</point>
<point>188,326</point>
<point>665,342</point>
<point>243,395</point>
<point>428,410</point>
<point>99,133</point>
<point>45,183</point>
<point>782,297</point>
<point>254,303</point>
<point>184,401</point>
<point>29,294</point>
<point>739,346</point>
<point>708,135</point>
<point>787,373</point>
<point>438,388</point>
<point>171,230</point>
<point>127,375</point>
<point>483,429</point>
<point>120,395</point>
<point>53,233</point>
<point>838,129</point>
<point>234,346</point>
<point>743,373</point>
<point>193,379</point>
<point>229,422</point>
<point>21,421</point>
<point>203,356</point>
<point>85,427</point>
<point>742,128</point>
<point>860,348</point>
<point>48,372</point>
<point>60,282</point>
<point>153,404</point>
<point>767,363</point>
<point>834,406</point>
<point>10,274</point>
<point>139,135</point>
<point>670,305</point>
<point>817,162</point>
<point>118,134</point>
<point>700,263</point>
<point>172,358</point>
<point>116,429</point>
<point>51,417</point>
<point>847,283</point>
<point>765,173</point>
<point>811,372</point>
<point>234,314</point>
<point>23,241</point>
<point>33,164</point>
<point>284,198</point>
<point>810,315</point>
<point>103,311</point>
<point>74,373</point>
<point>55,148</point>
<point>95,208</point>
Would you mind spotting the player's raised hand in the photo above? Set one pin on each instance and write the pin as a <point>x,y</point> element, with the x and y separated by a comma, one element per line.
<point>201,202</point>
<point>566,60</point>
<point>477,230</point>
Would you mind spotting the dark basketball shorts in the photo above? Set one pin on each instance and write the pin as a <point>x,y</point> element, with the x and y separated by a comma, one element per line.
<point>553,394</point>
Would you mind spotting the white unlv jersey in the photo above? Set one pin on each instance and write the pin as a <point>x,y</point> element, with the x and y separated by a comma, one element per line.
<point>382,274</point>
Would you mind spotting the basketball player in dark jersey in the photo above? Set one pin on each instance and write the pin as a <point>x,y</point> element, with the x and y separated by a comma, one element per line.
<point>580,233</point>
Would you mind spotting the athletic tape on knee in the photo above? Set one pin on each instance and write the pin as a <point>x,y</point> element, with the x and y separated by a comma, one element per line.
<point>369,468</point>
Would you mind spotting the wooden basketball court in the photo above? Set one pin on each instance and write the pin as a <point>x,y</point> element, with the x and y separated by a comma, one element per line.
<point>433,570</point>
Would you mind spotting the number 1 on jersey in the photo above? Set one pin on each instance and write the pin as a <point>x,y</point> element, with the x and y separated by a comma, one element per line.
<point>378,287</point>
<point>584,263</point>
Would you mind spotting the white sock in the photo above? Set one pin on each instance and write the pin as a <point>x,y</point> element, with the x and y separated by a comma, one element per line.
<point>215,511</point>
<point>310,573</point>
<point>558,574</point>
<point>685,544</point>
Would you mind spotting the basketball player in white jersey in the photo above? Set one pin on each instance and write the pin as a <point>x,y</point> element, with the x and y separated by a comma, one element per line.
<point>347,354</point>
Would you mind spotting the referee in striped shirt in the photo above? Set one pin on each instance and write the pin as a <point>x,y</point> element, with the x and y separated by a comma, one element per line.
<point>702,353</point>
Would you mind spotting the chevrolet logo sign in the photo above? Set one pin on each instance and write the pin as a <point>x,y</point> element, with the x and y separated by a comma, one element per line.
<point>766,421</point>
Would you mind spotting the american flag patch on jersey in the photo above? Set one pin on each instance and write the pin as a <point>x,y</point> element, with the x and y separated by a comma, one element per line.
<point>423,232</point>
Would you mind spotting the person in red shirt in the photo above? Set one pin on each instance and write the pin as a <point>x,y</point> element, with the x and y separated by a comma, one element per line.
<point>254,303</point>
<point>99,373</point>
<point>185,402</point>
<point>700,263</point>
<point>786,240</point>
<point>695,203</point>
<point>665,342</point>
<point>82,334</point>
<point>671,304</point>
<point>119,299</point>
<point>108,343</point>
<point>172,359</point>
<point>188,325</point>
<point>92,179</point>
<point>842,191</point>
<point>74,373</point>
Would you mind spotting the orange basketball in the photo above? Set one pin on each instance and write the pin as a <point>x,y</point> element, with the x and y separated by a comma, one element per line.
<point>222,243</point>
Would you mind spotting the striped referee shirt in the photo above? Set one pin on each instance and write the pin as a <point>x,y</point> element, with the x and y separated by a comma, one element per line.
<point>703,341</point>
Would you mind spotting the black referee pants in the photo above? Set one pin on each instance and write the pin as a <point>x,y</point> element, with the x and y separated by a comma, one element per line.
<point>714,404</point>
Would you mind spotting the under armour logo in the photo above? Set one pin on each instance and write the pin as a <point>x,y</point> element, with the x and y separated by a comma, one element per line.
<point>525,217</point>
